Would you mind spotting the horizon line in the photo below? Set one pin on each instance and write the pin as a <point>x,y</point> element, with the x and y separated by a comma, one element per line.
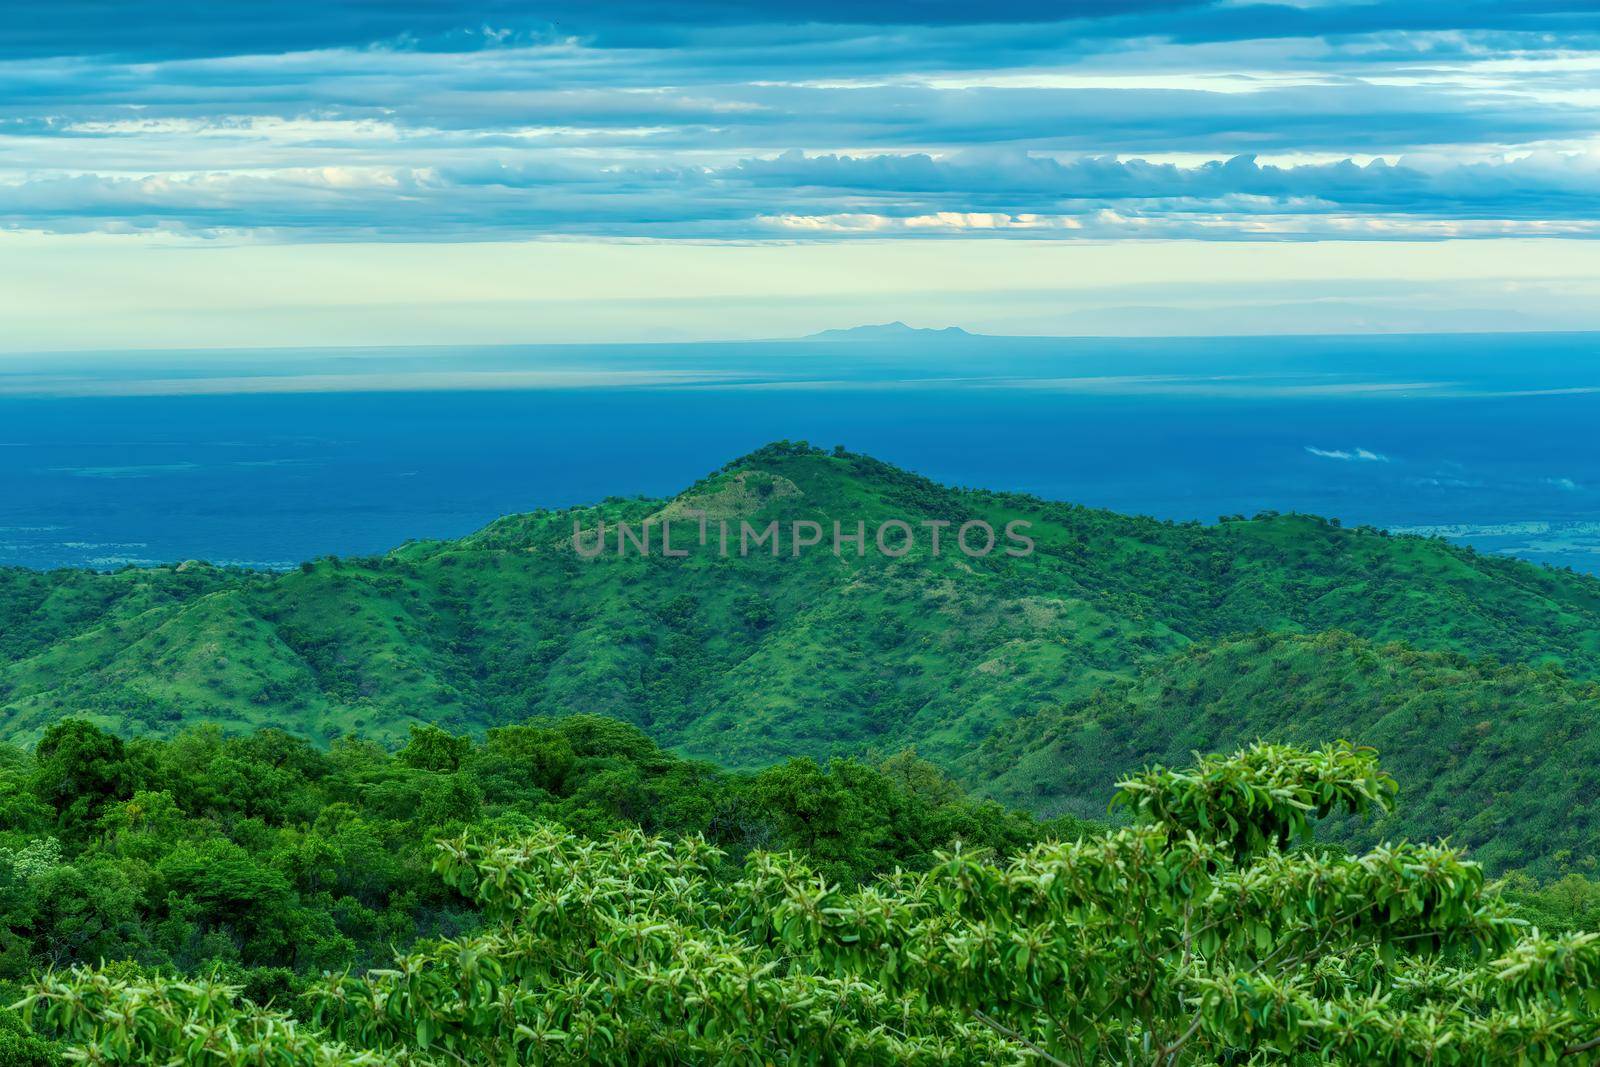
<point>964,333</point>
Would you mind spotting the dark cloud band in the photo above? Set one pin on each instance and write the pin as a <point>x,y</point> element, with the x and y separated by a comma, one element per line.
<point>750,121</point>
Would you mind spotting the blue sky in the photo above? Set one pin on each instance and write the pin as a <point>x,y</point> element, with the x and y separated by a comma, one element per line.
<point>354,172</point>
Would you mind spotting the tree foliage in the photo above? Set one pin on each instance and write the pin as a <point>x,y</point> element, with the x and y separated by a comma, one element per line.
<point>278,861</point>
<point>1208,931</point>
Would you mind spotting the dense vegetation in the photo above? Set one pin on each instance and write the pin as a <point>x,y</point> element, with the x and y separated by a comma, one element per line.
<point>1204,933</point>
<point>1498,757</point>
<point>969,661</point>
<point>221,807</point>
<point>276,860</point>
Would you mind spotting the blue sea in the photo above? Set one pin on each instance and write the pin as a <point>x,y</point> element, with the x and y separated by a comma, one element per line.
<point>266,458</point>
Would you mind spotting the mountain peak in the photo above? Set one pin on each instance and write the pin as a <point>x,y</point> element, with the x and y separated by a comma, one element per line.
<point>888,331</point>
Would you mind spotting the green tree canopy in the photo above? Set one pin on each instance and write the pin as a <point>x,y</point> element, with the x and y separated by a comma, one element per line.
<point>1206,932</point>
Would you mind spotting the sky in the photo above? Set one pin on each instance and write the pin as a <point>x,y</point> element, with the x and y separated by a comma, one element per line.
<point>348,172</point>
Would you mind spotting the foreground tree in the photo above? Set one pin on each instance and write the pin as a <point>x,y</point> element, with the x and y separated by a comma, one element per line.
<point>1205,932</point>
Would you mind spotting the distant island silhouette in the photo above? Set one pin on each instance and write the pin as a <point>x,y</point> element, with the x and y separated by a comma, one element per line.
<point>888,331</point>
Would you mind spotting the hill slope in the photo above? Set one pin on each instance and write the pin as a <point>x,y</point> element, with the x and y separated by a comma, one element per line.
<point>1501,758</point>
<point>748,660</point>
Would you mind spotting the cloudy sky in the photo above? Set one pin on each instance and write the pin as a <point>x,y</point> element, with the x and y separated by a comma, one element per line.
<point>199,174</point>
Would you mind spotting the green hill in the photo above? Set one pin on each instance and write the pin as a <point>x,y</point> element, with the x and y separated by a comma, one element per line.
<point>1499,758</point>
<point>749,660</point>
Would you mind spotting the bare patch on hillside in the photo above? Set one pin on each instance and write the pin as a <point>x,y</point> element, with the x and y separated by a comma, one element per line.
<point>737,496</point>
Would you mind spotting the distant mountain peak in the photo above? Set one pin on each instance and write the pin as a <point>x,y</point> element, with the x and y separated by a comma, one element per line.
<point>888,331</point>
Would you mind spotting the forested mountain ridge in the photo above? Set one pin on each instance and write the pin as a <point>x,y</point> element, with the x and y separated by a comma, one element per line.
<point>749,660</point>
<point>150,819</point>
<point>1496,757</point>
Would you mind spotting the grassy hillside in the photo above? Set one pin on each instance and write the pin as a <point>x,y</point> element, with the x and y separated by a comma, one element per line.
<point>746,661</point>
<point>1499,758</point>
